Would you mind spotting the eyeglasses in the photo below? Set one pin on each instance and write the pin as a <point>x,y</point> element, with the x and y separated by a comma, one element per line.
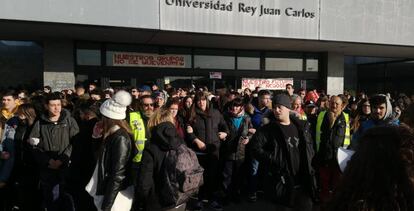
<point>149,104</point>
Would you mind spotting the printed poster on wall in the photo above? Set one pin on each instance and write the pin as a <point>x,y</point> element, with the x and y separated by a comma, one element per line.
<point>130,59</point>
<point>269,84</point>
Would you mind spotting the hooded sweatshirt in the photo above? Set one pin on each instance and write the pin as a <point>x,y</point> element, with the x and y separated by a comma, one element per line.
<point>388,119</point>
<point>164,137</point>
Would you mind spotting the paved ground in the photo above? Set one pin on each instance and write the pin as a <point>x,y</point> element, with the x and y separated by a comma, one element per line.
<point>260,205</point>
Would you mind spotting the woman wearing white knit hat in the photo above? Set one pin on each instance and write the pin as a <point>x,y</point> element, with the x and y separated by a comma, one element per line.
<point>111,184</point>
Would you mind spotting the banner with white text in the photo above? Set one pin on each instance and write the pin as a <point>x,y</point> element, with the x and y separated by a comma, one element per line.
<point>130,59</point>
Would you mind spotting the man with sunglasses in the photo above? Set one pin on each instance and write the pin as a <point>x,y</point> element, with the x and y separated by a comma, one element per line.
<point>140,112</point>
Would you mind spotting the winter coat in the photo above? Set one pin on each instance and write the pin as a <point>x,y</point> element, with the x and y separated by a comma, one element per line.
<point>164,137</point>
<point>232,149</point>
<point>206,129</point>
<point>7,144</point>
<point>258,115</point>
<point>114,167</point>
<point>331,140</point>
<point>267,143</point>
<point>55,140</point>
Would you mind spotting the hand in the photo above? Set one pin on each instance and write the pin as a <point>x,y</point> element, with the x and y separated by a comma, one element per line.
<point>97,130</point>
<point>244,141</point>
<point>252,130</point>
<point>54,164</point>
<point>222,136</point>
<point>189,129</point>
<point>200,145</point>
<point>5,155</point>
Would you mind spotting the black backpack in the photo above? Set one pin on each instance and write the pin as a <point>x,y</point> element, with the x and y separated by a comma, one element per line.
<point>181,176</point>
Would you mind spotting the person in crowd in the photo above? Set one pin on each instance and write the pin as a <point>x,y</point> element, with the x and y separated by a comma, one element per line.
<point>112,188</point>
<point>260,110</point>
<point>185,108</point>
<point>332,132</point>
<point>92,86</point>
<point>8,123</point>
<point>311,111</point>
<point>233,149</point>
<point>380,175</point>
<point>159,99</point>
<point>362,114</point>
<point>83,158</point>
<point>407,116</point>
<point>290,90</point>
<point>138,116</point>
<point>96,95</point>
<point>52,136</point>
<point>297,107</point>
<point>206,129</point>
<point>47,89</point>
<point>81,92</point>
<point>302,93</point>
<point>323,103</point>
<point>381,114</point>
<point>25,172</point>
<point>284,147</point>
<point>135,93</point>
<point>173,104</point>
<point>164,137</point>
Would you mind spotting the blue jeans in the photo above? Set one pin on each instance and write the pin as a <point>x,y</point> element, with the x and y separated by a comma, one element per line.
<point>253,175</point>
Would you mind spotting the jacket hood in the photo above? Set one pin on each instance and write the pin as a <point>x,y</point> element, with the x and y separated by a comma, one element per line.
<point>64,114</point>
<point>165,136</point>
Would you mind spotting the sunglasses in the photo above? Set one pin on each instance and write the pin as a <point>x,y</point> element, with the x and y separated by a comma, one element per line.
<point>149,104</point>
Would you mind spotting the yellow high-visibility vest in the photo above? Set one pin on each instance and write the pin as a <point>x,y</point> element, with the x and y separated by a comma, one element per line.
<point>138,128</point>
<point>321,116</point>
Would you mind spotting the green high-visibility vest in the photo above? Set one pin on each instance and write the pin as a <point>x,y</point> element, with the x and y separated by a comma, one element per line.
<point>138,129</point>
<point>321,116</point>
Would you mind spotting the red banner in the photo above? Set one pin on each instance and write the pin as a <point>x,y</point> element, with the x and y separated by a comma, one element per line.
<point>148,60</point>
<point>271,84</point>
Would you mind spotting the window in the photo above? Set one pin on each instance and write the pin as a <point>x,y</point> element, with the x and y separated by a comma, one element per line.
<point>312,65</point>
<point>248,60</point>
<point>88,53</point>
<point>214,59</point>
<point>88,57</point>
<point>284,64</point>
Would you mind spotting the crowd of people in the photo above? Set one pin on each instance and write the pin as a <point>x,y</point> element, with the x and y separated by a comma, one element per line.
<point>144,148</point>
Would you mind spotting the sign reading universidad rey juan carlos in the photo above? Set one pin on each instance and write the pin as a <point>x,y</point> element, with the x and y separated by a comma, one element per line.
<point>270,18</point>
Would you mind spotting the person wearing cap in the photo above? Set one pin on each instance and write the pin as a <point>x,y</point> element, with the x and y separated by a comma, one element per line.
<point>51,138</point>
<point>284,148</point>
<point>311,111</point>
<point>332,131</point>
<point>111,184</point>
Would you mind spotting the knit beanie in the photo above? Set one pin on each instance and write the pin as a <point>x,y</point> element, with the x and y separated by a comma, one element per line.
<point>115,108</point>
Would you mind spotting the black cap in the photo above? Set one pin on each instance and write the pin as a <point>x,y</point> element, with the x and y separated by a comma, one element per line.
<point>282,99</point>
<point>310,103</point>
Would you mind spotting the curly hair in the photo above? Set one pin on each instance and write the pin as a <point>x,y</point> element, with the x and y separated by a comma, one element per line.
<point>380,175</point>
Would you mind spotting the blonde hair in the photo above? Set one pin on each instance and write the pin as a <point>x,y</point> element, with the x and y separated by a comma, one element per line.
<point>159,116</point>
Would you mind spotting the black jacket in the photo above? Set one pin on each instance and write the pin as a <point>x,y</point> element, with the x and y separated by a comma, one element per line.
<point>114,167</point>
<point>331,140</point>
<point>267,144</point>
<point>55,142</point>
<point>164,137</point>
<point>231,148</point>
<point>206,128</point>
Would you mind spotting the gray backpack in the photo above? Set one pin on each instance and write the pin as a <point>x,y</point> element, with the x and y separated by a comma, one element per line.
<point>181,176</point>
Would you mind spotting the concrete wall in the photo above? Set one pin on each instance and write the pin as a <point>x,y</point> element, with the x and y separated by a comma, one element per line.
<point>118,13</point>
<point>366,21</point>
